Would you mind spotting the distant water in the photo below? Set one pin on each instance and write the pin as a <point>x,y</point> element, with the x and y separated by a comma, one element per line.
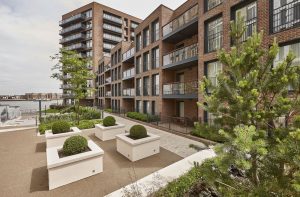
<point>26,106</point>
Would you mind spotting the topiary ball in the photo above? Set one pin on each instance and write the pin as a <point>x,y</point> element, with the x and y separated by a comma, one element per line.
<point>138,132</point>
<point>109,121</point>
<point>75,145</point>
<point>60,126</point>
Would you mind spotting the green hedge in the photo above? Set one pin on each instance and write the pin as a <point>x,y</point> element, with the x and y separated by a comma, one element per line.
<point>75,145</point>
<point>137,116</point>
<point>208,132</point>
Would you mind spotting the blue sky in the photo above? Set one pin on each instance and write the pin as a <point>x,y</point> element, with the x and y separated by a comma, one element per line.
<point>29,36</point>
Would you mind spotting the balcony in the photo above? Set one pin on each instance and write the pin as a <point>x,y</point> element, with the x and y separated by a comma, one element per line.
<point>182,27</point>
<point>181,58</point>
<point>68,95</point>
<point>66,77</point>
<point>111,28</point>
<point>72,38</point>
<point>66,86</point>
<point>129,92</point>
<point>72,29</point>
<point>112,38</point>
<point>108,94</point>
<point>179,90</point>
<point>76,46</point>
<point>107,68</point>
<point>128,74</point>
<point>113,19</point>
<point>286,16</point>
<point>128,55</point>
<point>72,19</point>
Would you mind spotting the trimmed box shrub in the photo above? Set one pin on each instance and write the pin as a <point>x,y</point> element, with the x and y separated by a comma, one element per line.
<point>60,127</point>
<point>109,121</point>
<point>75,145</point>
<point>138,132</point>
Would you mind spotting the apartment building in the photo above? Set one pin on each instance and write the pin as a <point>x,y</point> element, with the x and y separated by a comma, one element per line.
<point>93,30</point>
<point>174,49</point>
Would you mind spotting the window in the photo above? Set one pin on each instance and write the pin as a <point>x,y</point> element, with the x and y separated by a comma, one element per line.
<point>138,65</point>
<point>138,42</point>
<point>146,37</point>
<point>155,58</point>
<point>89,44</point>
<point>213,69</point>
<point>139,106</point>
<point>249,13</point>
<point>146,62</point>
<point>89,34</point>
<point>153,108</point>
<point>155,85</point>
<point>138,87</point>
<point>214,35</point>
<point>146,86</point>
<point>146,109</point>
<point>283,52</point>
<point>212,3</point>
<point>286,14</point>
<point>155,31</point>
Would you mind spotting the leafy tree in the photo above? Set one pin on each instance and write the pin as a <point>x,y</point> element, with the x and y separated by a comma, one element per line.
<point>255,108</point>
<point>70,62</point>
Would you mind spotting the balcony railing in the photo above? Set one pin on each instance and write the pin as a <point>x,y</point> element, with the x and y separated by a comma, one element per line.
<point>66,86</point>
<point>181,54</point>
<point>72,18</point>
<point>214,41</point>
<point>108,94</point>
<point>65,77</point>
<point>71,38</point>
<point>129,73</point>
<point>71,28</point>
<point>286,16</point>
<point>133,25</point>
<point>129,92</point>
<point>128,54</point>
<point>76,46</point>
<point>112,28</point>
<point>181,20</point>
<point>112,18</point>
<point>179,88</point>
<point>68,95</point>
<point>250,28</point>
<point>112,38</point>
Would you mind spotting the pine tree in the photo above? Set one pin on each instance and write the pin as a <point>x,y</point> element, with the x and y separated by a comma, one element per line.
<point>70,62</point>
<point>254,107</point>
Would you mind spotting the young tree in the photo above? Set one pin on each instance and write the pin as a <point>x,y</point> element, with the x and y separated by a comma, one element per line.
<point>254,105</point>
<point>70,62</point>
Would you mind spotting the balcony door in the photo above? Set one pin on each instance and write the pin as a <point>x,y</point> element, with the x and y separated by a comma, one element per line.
<point>180,80</point>
<point>180,109</point>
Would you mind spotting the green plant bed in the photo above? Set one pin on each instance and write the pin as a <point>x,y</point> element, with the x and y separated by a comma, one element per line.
<point>137,116</point>
<point>207,132</point>
<point>44,127</point>
<point>52,111</point>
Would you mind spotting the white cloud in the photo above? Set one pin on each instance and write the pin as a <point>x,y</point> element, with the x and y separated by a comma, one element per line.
<point>29,36</point>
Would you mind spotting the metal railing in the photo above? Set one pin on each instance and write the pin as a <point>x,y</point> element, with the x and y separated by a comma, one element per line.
<point>179,88</point>
<point>214,41</point>
<point>72,37</point>
<point>112,37</point>
<point>76,46</point>
<point>66,77</point>
<point>250,28</point>
<point>129,92</point>
<point>112,18</point>
<point>128,54</point>
<point>129,73</point>
<point>72,18</point>
<point>108,80</point>
<point>181,54</point>
<point>108,94</point>
<point>112,28</point>
<point>72,28</point>
<point>66,86</point>
<point>286,16</point>
<point>68,95</point>
<point>181,20</point>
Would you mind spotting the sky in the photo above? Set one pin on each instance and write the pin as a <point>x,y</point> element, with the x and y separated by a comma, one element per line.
<point>29,36</point>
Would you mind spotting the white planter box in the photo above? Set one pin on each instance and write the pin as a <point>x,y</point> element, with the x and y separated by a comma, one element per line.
<point>109,133</point>
<point>137,149</point>
<point>62,171</point>
<point>54,140</point>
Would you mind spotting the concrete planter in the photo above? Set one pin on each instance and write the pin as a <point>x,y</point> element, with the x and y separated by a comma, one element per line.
<point>62,171</point>
<point>54,140</point>
<point>137,149</point>
<point>109,133</point>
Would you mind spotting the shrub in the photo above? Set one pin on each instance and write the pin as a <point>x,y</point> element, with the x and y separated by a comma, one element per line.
<point>86,124</point>
<point>296,121</point>
<point>137,116</point>
<point>137,132</point>
<point>43,127</point>
<point>60,127</point>
<point>58,107</point>
<point>208,132</point>
<point>109,121</point>
<point>90,114</point>
<point>75,145</point>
